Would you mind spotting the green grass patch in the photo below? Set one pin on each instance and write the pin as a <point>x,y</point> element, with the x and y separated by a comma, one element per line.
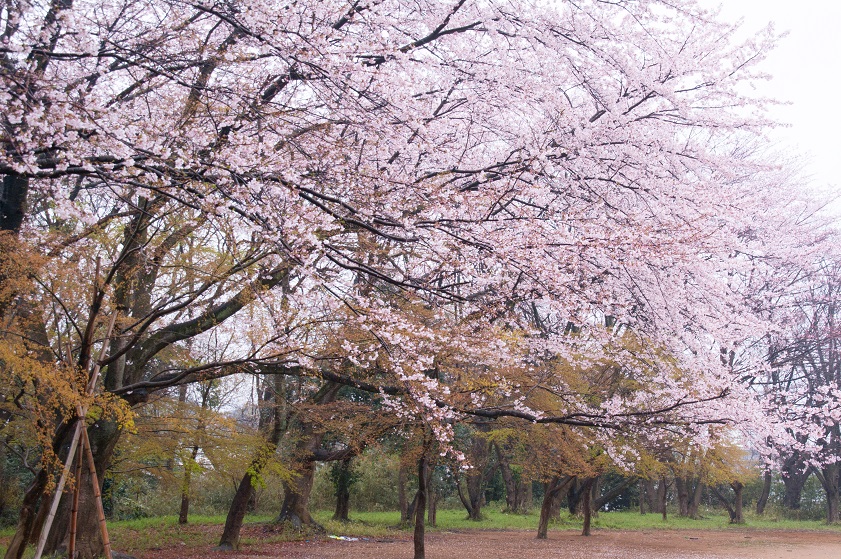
<point>372,523</point>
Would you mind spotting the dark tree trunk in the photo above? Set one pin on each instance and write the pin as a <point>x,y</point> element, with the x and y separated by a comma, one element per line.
<point>410,510</point>
<point>343,482</point>
<point>273,422</point>
<point>342,511</point>
<point>477,477</point>
<point>420,507</point>
<point>653,495</point>
<point>695,501</point>
<point>551,498</point>
<point>642,497</point>
<point>689,492</point>
<point>737,507</point>
<point>762,502</point>
<point>474,498</point>
<point>432,497</point>
<point>184,512</point>
<point>13,193</point>
<point>595,492</point>
<point>574,497</point>
<point>295,508</point>
<point>830,478</point>
<point>586,505</point>
<point>795,473</point>
<point>682,491</point>
<point>526,502</point>
<point>517,489</point>
<point>476,494</point>
<point>5,481</point>
<point>508,479</point>
<point>734,508</point>
<point>237,510</point>
<point>663,494</point>
<point>555,506</point>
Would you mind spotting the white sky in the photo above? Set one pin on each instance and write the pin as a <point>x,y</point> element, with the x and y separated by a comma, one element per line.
<point>806,67</point>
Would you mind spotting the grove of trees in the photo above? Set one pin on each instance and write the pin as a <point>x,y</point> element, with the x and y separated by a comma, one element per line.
<point>466,231</point>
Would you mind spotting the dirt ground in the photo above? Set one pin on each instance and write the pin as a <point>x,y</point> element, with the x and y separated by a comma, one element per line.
<point>684,544</point>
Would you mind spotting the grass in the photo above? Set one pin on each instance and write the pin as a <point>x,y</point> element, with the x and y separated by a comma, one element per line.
<point>203,531</point>
<point>621,520</point>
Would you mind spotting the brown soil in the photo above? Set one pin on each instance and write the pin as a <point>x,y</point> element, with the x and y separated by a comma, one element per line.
<point>684,544</point>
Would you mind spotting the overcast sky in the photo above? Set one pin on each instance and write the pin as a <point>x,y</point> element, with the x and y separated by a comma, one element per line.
<point>807,72</point>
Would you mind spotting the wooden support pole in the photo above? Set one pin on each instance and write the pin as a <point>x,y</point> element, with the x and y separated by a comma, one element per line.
<point>45,530</point>
<point>74,511</point>
<point>97,494</point>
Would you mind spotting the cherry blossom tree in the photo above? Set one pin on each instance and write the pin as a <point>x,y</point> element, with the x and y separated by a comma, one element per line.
<point>804,385</point>
<point>466,160</point>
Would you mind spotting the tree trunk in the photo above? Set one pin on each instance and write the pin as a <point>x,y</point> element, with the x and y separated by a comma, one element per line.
<point>574,497</point>
<point>653,495</point>
<point>586,507</point>
<point>184,512</point>
<point>526,501</point>
<point>274,423</point>
<point>5,479</point>
<point>832,502</point>
<point>663,493</point>
<point>13,193</point>
<point>295,508</point>
<point>737,489</point>
<point>236,512</point>
<point>476,494</point>
<point>766,492</point>
<point>477,477</point>
<point>682,491</point>
<point>432,501</point>
<point>795,473</point>
<point>642,497</point>
<point>509,480</point>
<point>343,482</point>
<point>595,492</point>
<point>695,501</point>
<point>555,510</point>
<point>830,478</point>
<point>420,507</point>
<point>551,496</point>
<point>734,509</point>
<point>410,510</point>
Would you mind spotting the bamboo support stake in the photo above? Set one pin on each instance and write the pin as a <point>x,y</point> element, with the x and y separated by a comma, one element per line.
<point>97,494</point>
<point>42,539</point>
<point>74,511</point>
